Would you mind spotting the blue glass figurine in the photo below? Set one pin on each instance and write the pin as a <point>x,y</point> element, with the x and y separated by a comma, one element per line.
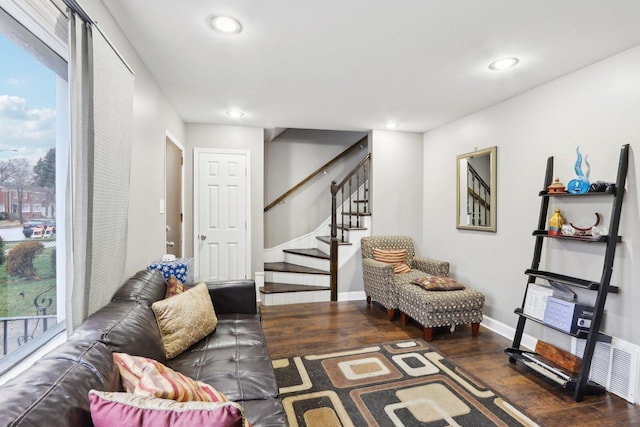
<point>579,185</point>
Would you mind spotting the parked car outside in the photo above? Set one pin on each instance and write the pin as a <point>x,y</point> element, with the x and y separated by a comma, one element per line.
<point>27,229</point>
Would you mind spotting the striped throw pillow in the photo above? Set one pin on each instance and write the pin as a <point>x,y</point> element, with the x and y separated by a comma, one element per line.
<point>396,257</point>
<point>147,377</point>
<point>174,287</point>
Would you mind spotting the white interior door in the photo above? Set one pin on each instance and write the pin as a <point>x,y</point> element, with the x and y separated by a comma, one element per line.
<point>221,205</point>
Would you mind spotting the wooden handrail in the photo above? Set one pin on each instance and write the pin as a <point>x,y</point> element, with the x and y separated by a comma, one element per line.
<point>313,174</point>
<point>337,187</point>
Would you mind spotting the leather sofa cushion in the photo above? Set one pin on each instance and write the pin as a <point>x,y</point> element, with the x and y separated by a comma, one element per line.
<point>146,286</point>
<point>264,412</point>
<point>235,330</point>
<point>233,359</point>
<point>126,327</point>
<point>241,373</point>
<point>233,296</point>
<point>53,391</point>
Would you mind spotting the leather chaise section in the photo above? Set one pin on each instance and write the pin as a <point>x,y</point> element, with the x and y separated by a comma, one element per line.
<point>233,358</point>
<point>53,392</point>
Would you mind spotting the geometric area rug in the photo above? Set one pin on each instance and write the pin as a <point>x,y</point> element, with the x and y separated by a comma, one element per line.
<point>404,383</point>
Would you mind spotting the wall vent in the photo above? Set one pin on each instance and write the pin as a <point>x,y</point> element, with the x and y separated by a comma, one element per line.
<point>614,366</point>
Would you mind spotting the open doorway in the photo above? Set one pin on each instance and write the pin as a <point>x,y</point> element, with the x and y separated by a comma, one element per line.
<point>173,197</point>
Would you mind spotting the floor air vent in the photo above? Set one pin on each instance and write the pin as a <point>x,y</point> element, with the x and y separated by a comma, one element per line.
<point>613,365</point>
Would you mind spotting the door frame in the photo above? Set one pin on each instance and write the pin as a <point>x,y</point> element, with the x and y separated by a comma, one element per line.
<point>177,143</point>
<point>196,206</point>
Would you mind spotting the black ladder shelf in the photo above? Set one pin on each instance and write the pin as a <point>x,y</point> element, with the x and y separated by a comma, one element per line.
<point>579,383</point>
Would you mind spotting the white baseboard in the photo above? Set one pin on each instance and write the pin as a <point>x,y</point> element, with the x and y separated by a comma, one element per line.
<point>507,331</point>
<point>351,296</point>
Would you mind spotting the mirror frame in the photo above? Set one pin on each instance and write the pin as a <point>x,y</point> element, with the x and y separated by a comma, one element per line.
<point>492,152</point>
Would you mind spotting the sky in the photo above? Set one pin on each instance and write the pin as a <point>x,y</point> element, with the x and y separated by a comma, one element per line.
<point>27,104</point>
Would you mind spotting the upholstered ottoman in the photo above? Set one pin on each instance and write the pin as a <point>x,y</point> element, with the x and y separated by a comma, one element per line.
<point>432,309</point>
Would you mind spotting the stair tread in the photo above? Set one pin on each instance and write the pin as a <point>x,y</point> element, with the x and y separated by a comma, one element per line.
<point>327,239</point>
<point>278,288</point>
<point>292,268</point>
<point>311,252</point>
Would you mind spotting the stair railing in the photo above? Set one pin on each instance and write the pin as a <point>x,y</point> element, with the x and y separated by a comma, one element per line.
<point>478,198</point>
<point>353,192</point>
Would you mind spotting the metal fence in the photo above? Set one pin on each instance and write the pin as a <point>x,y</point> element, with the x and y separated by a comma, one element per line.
<point>27,290</point>
<point>16,331</point>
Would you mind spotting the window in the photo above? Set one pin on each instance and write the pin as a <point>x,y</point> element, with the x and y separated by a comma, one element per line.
<point>33,126</point>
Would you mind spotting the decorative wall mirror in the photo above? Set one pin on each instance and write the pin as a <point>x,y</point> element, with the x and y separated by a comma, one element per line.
<point>476,190</point>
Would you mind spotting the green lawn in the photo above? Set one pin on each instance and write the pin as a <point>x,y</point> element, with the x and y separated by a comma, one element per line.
<point>17,294</point>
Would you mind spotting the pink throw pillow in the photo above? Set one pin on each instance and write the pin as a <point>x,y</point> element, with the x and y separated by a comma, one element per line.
<point>125,409</point>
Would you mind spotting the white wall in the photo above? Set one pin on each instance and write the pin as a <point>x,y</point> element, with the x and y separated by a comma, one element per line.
<point>597,108</point>
<point>237,138</point>
<point>153,116</point>
<point>289,159</point>
<point>396,184</point>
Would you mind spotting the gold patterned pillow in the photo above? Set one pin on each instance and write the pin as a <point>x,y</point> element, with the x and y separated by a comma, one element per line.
<point>396,257</point>
<point>435,283</point>
<point>185,319</point>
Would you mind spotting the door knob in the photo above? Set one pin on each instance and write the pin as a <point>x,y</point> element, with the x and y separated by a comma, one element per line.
<point>203,237</point>
<point>170,244</point>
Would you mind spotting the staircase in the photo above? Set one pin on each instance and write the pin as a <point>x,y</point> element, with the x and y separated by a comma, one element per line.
<point>305,274</point>
<point>300,271</point>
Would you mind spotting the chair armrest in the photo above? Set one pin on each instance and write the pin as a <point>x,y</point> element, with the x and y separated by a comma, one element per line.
<point>233,296</point>
<point>431,266</point>
<point>374,266</point>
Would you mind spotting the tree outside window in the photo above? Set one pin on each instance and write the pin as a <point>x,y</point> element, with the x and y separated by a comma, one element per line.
<point>29,289</point>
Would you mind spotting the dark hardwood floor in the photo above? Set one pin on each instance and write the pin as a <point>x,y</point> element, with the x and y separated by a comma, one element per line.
<point>319,327</point>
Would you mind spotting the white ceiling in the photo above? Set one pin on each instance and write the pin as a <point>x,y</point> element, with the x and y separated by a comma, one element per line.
<point>357,64</point>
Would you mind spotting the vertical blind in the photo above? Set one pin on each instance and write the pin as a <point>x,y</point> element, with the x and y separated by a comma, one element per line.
<point>101,120</point>
<point>109,194</point>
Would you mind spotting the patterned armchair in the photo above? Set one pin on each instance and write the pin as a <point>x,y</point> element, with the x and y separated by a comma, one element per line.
<point>380,282</point>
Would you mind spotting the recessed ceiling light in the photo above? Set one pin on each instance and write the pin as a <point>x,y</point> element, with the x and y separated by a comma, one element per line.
<point>225,24</point>
<point>503,64</point>
<point>235,114</point>
<point>392,125</point>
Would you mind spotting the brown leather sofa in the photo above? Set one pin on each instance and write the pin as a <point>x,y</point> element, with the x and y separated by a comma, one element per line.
<point>233,359</point>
